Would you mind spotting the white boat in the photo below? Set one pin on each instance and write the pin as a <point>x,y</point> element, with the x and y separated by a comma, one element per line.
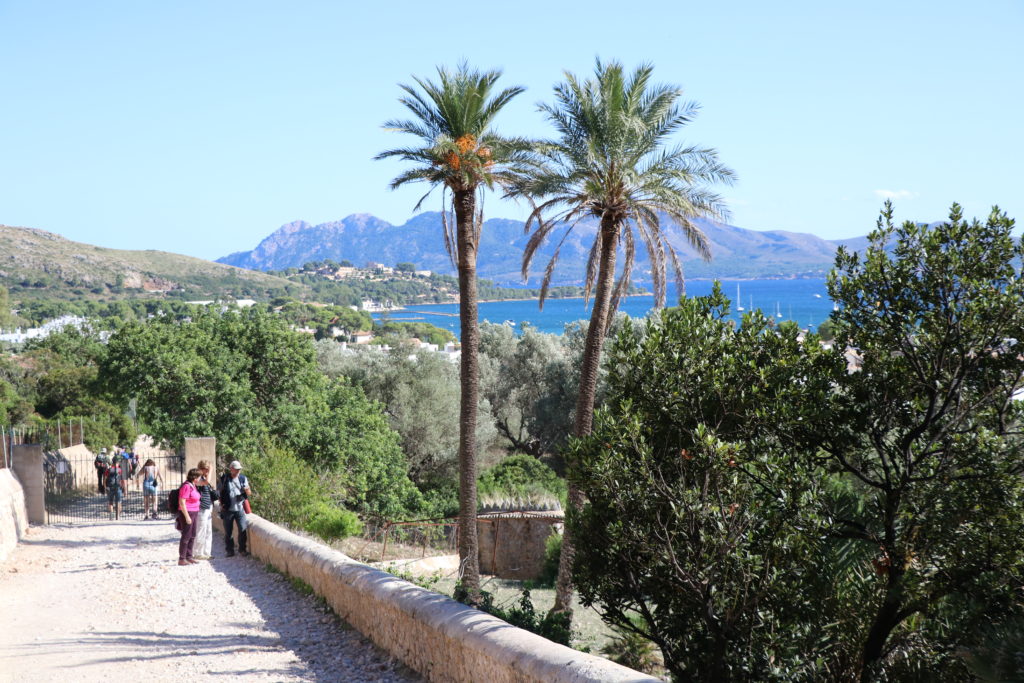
<point>510,323</point>
<point>778,313</point>
<point>739,301</point>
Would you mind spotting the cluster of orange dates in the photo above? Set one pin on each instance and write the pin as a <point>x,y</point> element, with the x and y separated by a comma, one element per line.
<point>465,144</point>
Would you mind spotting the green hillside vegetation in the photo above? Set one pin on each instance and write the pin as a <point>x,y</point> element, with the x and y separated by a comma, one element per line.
<point>35,264</point>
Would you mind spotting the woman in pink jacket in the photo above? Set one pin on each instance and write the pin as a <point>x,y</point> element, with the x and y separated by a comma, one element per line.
<point>188,516</point>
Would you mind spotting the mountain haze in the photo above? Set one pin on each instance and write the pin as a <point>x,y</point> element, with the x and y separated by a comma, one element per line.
<point>359,238</point>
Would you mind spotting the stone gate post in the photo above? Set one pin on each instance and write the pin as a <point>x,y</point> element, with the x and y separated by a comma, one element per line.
<point>28,467</point>
<point>202,448</point>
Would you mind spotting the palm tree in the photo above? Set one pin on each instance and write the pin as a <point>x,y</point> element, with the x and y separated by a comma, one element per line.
<point>459,152</point>
<point>610,162</point>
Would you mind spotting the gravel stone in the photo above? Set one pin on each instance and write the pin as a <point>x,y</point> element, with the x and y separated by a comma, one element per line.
<point>108,601</point>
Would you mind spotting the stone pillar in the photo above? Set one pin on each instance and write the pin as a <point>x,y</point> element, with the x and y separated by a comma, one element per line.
<point>201,448</point>
<point>28,467</point>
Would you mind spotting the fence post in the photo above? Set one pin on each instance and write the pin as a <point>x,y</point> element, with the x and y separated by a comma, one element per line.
<point>384,550</point>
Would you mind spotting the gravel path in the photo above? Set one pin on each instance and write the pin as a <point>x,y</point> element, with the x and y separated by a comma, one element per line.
<point>108,601</point>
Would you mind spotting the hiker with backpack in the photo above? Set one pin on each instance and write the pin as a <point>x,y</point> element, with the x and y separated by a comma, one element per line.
<point>151,481</point>
<point>101,463</point>
<point>188,516</point>
<point>234,496</point>
<point>113,480</point>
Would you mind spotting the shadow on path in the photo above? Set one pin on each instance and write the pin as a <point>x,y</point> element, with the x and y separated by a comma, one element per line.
<point>330,647</point>
<point>151,647</point>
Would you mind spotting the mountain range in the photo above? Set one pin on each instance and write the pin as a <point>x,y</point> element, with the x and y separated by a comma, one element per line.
<point>361,238</point>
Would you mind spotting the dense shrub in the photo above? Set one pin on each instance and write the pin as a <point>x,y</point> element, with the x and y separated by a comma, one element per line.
<point>631,649</point>
<point>554,627</point>
<point>521,478</point>
<point>288,491</point>
<point>330,522</point>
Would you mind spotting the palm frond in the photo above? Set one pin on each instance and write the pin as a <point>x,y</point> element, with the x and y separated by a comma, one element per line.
<point>611,158</point>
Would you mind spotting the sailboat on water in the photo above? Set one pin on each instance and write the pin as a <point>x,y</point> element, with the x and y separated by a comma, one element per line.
<point>778,313</point>
<point>739,301</point>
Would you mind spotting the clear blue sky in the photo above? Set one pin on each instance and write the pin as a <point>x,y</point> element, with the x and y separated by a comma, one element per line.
<point>200,127</point>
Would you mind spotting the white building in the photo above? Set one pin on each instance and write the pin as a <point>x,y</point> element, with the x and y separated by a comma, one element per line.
<point>19,336</point>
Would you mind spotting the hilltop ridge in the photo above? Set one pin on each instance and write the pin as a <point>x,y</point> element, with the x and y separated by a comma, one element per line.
<point>37,262</point>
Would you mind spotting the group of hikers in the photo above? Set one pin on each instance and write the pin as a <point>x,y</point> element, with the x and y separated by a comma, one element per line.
<point>195,499</point>
<point>195,512</point>
<point>114,471</point>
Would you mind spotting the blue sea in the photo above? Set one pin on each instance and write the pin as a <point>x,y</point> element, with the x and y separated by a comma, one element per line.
<point>802,300</point>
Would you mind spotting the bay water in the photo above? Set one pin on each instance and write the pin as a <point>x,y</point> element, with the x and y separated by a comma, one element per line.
<point>803,300</point>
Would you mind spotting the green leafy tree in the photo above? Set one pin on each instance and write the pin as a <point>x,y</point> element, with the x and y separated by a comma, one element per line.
<point>14,408</point>
<point>753,499</point>
<point>420,395</point>
<point>697,507</point>
<point>928,428</point>
<point>187,382</point>
<point>350,436</point>
<point>247,380</point>
<point>459,151</point>
<point>610,162</point>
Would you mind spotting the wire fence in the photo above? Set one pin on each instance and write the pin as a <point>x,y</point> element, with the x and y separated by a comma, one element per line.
<point>51,435</point>
<point>384,539</point>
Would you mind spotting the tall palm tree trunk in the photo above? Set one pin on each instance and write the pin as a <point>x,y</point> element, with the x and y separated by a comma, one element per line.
<point>585,401</point>
<point>469,560</point>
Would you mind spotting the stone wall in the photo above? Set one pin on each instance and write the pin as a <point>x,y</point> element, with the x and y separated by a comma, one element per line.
<point>13,515</point>
<point>440,638</point>
<point>512,543</point>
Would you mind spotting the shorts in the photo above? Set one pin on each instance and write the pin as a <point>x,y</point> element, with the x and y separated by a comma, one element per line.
<point>148,490</point>
<point>114,494</point>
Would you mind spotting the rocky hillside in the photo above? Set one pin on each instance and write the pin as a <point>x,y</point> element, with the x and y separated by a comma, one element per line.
<point>38,263</point>
<point>738,253</point>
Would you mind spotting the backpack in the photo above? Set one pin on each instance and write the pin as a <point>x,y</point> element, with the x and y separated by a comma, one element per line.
<point>113,476</point>
<point>172,497</point>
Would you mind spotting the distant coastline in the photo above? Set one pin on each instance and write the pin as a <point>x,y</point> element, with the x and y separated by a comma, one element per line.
<point>803,300</point>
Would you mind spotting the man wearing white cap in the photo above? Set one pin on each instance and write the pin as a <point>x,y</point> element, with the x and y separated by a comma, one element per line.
<point>234,491</point>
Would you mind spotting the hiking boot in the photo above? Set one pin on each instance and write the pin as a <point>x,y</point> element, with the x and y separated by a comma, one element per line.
<point>182,563</point>
<point>243,553</point>
<point>230,553</point>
